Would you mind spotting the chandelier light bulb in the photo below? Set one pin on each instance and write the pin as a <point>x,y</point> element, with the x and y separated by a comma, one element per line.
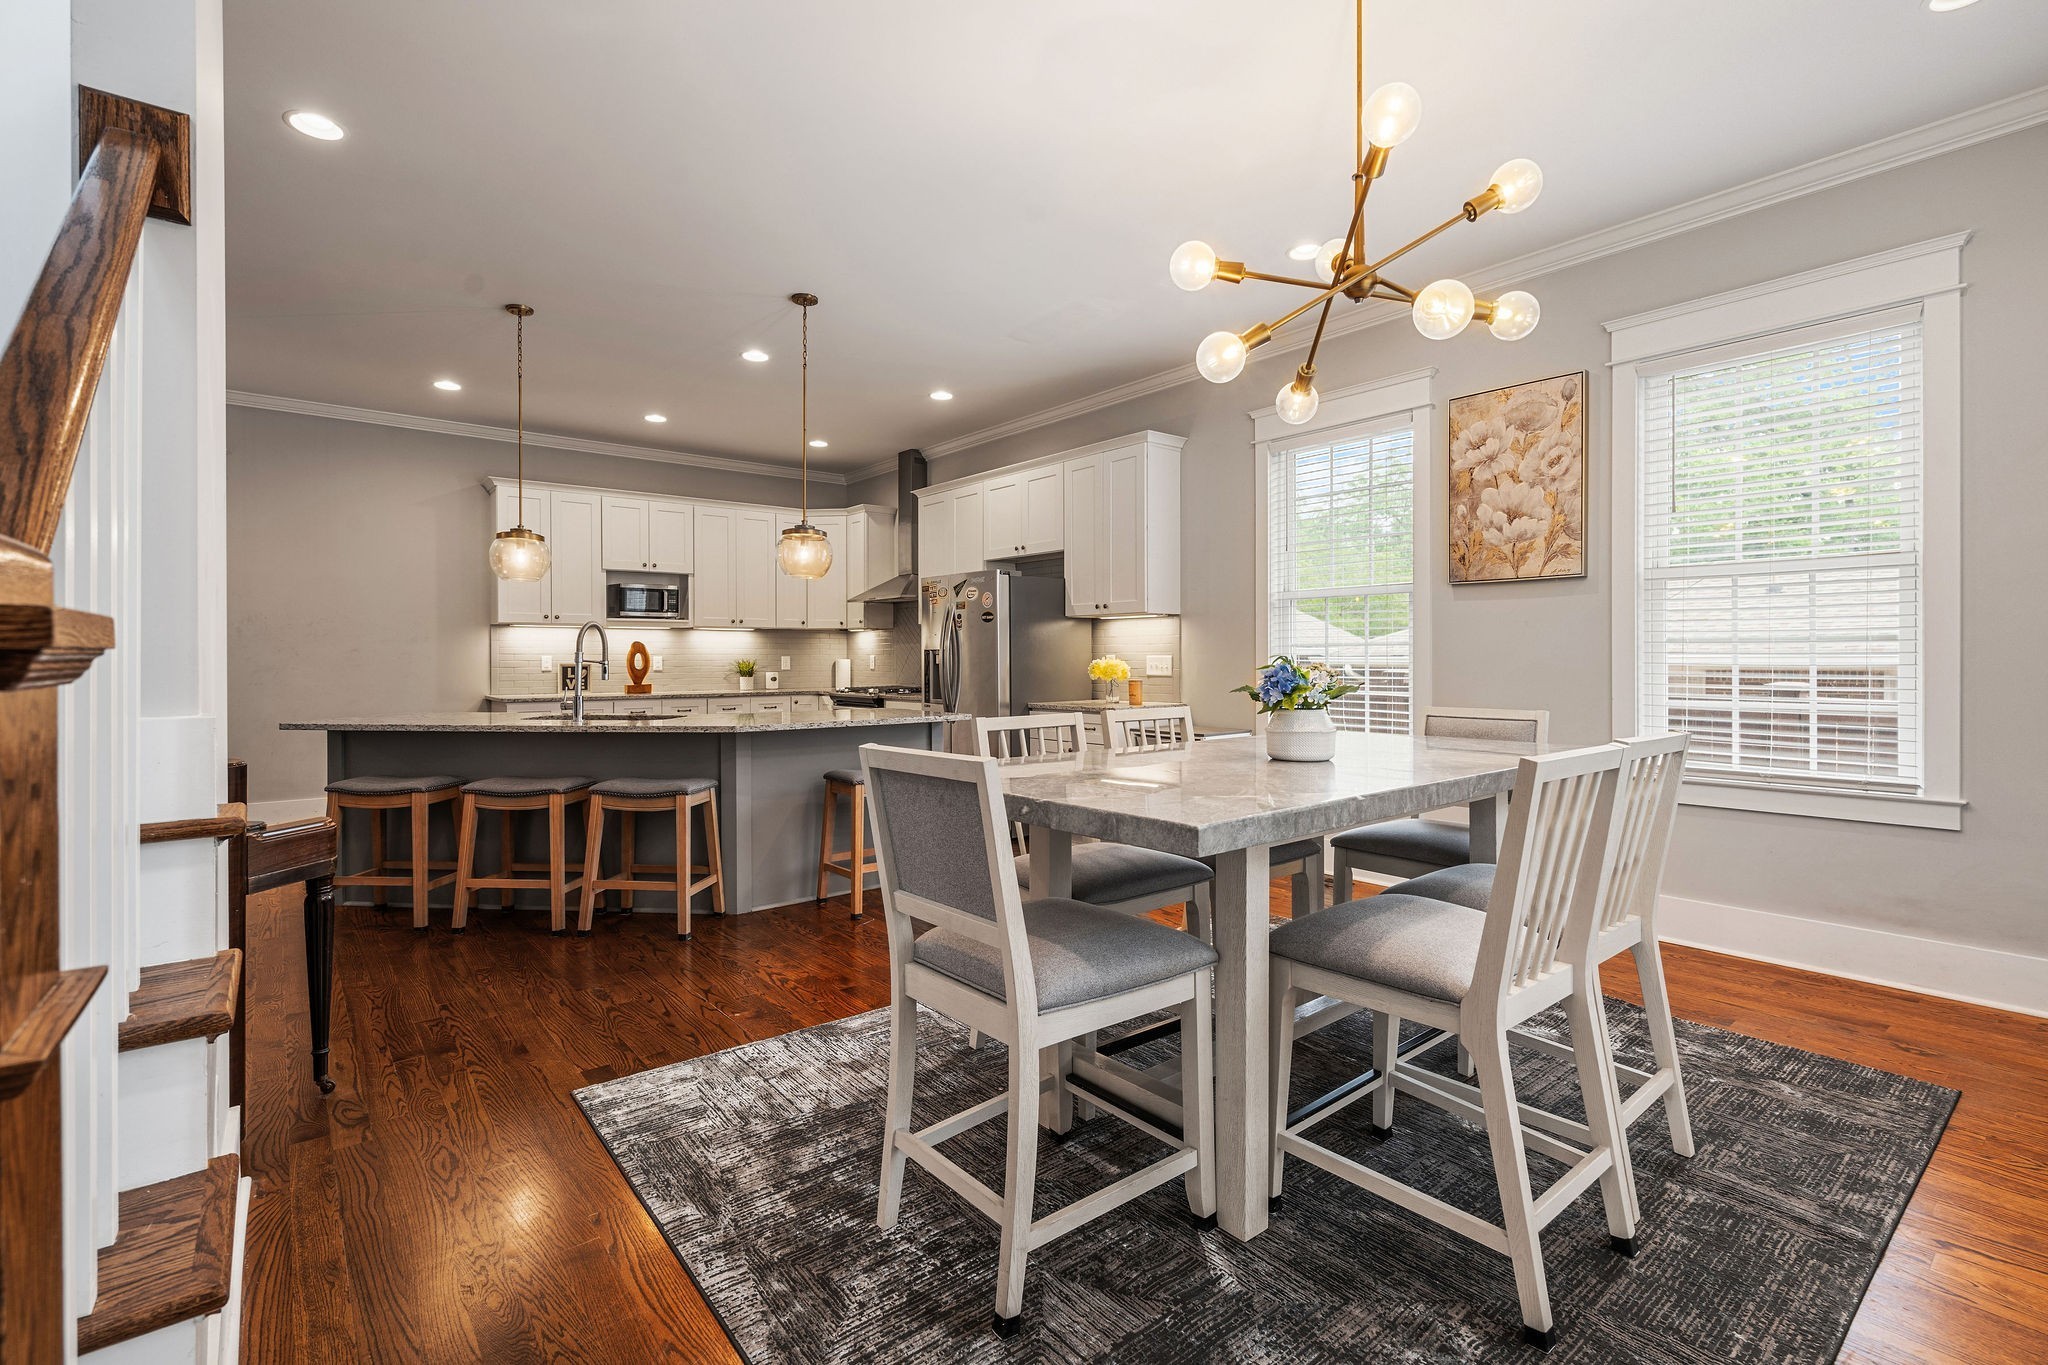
<point>1518,182</point>
<point>1326,257</point>
<point>1221,357</point>
<point>1391,114</point>
<point>1297,401</point>
<point>1193,265</point>
<point>1443,309</point>
<point>1515,315</point>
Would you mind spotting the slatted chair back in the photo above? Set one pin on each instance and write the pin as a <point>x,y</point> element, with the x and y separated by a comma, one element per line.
<point>1652,770</point>
<point>941,849</point>
<point>1486,723</point>
<point>1041,737</point>
<point>1554,859</point>
<point>1148,729</point>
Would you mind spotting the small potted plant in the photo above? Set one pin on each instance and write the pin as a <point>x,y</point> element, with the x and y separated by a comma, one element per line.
<point>1110,674</point>
<point>1295,699</point>
<point>745,668</point>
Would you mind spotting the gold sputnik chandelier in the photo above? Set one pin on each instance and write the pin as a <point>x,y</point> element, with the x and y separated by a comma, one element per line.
<point>1441,310</point>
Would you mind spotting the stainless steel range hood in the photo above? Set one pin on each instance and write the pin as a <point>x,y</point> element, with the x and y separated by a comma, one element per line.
<point>903,587</point>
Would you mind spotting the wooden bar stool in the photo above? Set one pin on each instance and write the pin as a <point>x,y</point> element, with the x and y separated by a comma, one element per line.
<point>845,782</point>
<point>510,795</point>
<point>630,796</point>
<point>378,795</point>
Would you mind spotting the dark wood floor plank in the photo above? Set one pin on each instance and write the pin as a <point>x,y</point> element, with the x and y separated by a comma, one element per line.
<point>449,1202</point>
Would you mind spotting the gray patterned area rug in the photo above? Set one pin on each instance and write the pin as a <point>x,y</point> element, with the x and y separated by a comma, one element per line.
<point>759,1165</point>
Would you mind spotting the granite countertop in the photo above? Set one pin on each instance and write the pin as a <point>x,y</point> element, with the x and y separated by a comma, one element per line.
<point>742,722</point>
<point>1090,705</point>
<point>661,694</point>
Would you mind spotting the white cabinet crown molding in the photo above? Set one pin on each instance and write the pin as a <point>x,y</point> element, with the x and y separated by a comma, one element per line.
<point>1158,438</point>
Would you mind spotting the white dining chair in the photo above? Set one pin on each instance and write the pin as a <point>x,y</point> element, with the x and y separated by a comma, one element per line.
<point>1480,974</point>
<point>1036,975</point>
<point>1162,729</point>
<point>1653,769</point>
<point>1394,849</point>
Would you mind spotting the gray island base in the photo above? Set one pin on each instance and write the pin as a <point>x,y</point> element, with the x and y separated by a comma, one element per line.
<point>770,771</point>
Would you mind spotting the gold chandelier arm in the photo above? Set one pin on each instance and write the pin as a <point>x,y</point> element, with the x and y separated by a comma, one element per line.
<point>1445,226</point>
<point>1285,279</point>
<point>1315,344</point>
<point>1387,289</point>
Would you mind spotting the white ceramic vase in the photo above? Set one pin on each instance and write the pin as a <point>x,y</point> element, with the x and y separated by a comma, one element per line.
<point>1301,736</point>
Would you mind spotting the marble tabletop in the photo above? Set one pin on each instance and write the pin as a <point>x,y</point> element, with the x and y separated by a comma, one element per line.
<point>726,722</point>
<point>1225,794</point>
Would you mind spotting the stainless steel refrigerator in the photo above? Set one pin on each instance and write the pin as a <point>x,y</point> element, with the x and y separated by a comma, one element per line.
<point>996,642</point>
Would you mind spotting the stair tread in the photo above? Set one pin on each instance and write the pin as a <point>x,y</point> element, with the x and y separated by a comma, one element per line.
<point>172,1260</point>
<point>179,1000</point>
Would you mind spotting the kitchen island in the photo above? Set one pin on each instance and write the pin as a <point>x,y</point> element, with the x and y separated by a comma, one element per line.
<point>769,766</point>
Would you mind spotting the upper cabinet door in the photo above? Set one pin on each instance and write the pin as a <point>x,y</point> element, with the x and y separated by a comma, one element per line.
<point>578,565</point>
<point>1002,517</point>
<point>1121,585</point>
<point>968,553</point>
<point>671,537</point>
<point>714,591</point>
<point>1042,526</point>
<point>754,570</point>
<point>828,594</point>
<point>1082,530</point>
<point>519,604</point>
<point>936,516</point>
<point>625,533</point>
<point>792,594</point>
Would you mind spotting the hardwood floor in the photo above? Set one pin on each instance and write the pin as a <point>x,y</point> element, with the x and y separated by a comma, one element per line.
<point>449,1203</point>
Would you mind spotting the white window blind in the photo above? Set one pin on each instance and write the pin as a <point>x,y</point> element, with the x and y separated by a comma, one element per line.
<point>1780,569</point>
<point>1340,537</point>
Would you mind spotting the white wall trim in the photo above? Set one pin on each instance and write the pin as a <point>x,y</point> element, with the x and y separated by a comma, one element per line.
<point>1149,437</point>
<point>1350,405</point>
<point>1930,966</point>
<point>440,426</point>
<point>1967,129</point>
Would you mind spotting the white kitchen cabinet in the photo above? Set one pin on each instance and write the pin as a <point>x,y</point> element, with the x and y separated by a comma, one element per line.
<point>540,706</point>
<point>827,609</point>
<point>949,532</point>
<point>1122,529</point>
<point>625,533</point>
<point>682,706</point>
<point>671,536</point>
<point>754,567</point>
<point>870,559</point>
<point>1024,513</point>
<point>576,575</point>
<point>792,594</point>
<point>520,603</point>
<point>714,591</point>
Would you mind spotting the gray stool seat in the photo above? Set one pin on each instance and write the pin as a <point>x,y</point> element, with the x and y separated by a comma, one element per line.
<point>1107,873</point>
<point>525,786</point>
<point>391,786</point>
<point>852,777</point>
<point>1425,947</point>
<point>1467,884</point>
<point>1415,841</point>
<point>1078,953</point>
<point>1294,852</point>
<point>654,786</point>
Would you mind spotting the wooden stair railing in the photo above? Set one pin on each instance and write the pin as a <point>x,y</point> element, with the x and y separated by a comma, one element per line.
<point>136,163</point>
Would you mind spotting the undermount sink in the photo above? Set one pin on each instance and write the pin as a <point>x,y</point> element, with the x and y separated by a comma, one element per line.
<point>550,718</point>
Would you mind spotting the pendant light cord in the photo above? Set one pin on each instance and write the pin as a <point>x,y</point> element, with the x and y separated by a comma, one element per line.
<point>804,422</point>
<point>519,409</point>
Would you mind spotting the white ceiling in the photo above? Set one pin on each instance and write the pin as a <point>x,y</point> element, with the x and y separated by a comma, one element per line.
<point>983,195</point>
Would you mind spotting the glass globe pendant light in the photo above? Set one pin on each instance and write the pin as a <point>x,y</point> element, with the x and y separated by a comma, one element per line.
<point>804,551</point>
<point>520,555</point>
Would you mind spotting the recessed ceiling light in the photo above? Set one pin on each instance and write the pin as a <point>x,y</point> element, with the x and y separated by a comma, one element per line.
<point>1944,6</point>
<point>448,384</point>
<point>315,125</point>
<point>1304,252</point>
<point>656,417</point>
<point>941,396</point>
<point>817,445</point>
<point>756,356</point>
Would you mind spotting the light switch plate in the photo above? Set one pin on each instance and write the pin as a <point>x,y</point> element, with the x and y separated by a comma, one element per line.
<point>656,658</point>
<point>871,661</point>
<point>785,661</point>
<point>1158,665</point>
<point>547,663</point>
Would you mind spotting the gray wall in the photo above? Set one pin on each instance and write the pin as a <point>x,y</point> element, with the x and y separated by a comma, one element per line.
<point>356,576</point>
<point>1987,885</point>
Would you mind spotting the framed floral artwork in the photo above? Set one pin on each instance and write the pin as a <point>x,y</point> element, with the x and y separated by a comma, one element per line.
<point>1518,482</point>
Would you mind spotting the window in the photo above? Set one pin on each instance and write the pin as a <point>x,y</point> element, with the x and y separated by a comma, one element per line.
<point>1340,539</point>
<point>1780,529</point>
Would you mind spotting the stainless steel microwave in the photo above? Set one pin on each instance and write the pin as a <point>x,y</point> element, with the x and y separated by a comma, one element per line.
<point>643,602</point>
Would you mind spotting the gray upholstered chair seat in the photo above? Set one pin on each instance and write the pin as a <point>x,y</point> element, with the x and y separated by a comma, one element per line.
<point>525,786</point>
<point>1467,884</point>
<point>1425,947</point>
<point>1078,953</point>
<point>1414,841</point>
<point>1294,852</point>
<point>391,786</point>
<point>1105,874</point>
<point>654,786</point>
<point>852,777</point>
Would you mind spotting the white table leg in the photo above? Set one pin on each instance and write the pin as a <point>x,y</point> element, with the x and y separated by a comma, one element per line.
<point>1489,816</point>
<point>1241,907</point>
<point>1052,862</point>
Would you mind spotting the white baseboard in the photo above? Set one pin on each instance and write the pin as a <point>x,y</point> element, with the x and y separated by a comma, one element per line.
<point>1954,971</point>
<point>278,812</point>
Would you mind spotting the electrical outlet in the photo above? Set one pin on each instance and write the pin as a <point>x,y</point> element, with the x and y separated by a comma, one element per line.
<point>657,662</point>
<point>547,663</point>
<point>1158,665</point>
<point>785,661</point>
<point>871,662</point>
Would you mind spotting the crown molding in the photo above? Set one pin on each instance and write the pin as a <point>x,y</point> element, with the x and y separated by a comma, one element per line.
<point>441,426</point>
<point>2012,115</point>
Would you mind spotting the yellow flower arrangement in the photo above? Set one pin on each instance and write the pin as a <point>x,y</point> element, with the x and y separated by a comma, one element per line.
<point>1109,668</point>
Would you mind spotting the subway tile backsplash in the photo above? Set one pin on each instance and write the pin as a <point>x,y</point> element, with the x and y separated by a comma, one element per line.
<point>701,660</point>
<point>1131,638</point>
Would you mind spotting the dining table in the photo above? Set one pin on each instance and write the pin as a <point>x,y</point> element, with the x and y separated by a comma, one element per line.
<point>1225,801</point>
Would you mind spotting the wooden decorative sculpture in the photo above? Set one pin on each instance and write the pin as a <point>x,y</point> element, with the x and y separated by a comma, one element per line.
<point>638,662</point>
